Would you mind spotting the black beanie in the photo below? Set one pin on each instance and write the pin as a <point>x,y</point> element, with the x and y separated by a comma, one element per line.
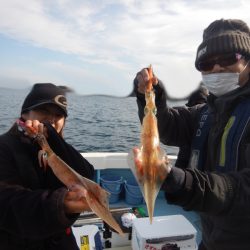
<point>224,37</point>
<point>45,93</point>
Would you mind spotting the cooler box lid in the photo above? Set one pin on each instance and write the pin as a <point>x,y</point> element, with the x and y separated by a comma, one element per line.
<point>164,227</point>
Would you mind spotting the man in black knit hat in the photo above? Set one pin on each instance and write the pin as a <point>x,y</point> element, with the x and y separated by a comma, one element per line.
<point>216,182</point>
<point>37,211</point>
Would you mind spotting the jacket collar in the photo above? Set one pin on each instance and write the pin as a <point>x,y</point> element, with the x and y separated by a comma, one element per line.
<point>227,102</point>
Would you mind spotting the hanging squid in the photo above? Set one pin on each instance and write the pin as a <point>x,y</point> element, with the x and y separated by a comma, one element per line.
<point>150,163</point>
<point>96,197</point>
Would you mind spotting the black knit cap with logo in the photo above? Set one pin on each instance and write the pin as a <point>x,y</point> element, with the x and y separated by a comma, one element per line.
<point>224,36</point>
<point>45,93</point>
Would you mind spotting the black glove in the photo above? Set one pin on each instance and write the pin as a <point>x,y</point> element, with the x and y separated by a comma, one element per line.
<point>174,181</point>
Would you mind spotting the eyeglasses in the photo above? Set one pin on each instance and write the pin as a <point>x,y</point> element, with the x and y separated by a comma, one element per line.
<point>223,61</point>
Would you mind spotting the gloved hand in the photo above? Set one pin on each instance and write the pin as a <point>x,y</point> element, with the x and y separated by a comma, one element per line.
<point>139,87</point>
<point>174,181</point>
<point>142,78</point>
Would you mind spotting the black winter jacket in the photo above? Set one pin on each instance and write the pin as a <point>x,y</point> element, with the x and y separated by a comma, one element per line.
<point>222,199</point>
<point>31,199</point>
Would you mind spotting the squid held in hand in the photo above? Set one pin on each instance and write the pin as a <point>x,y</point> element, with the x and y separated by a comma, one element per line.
<point>150,163</point>
<point>96,197</point>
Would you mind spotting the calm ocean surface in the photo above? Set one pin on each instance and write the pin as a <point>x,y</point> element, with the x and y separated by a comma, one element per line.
<point>94,124</point>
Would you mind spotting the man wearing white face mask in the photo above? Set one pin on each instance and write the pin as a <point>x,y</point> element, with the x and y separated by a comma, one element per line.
<point>217,181</point>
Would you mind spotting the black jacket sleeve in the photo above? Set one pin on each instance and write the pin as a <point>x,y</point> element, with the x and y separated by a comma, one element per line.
<point>202,192</point>
<point>27,213</point>
<point>175,125</point>
<point>32,214</point>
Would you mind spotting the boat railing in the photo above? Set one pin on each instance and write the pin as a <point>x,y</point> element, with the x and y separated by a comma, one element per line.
<point>111,160</point>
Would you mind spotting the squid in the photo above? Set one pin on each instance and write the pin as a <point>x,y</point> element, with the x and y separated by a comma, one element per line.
<point>96,197</point>
<point>149,162</point>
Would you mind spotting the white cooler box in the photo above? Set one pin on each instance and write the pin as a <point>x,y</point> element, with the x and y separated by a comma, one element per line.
<point>172,232</point>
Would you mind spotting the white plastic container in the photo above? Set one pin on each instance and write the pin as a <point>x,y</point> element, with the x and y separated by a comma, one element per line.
<point>172,232</point>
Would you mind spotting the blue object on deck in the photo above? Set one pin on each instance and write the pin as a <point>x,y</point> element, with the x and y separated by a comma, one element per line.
<point>133,194</point>
<point>114,185</point>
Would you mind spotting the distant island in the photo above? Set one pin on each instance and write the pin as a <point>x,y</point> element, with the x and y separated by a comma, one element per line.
<point>67,89</point>
<point>170,98</point>
<point>71,90</point>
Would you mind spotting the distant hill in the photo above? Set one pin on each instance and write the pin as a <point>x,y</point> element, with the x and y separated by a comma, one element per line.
<point>14,89</point>
<point>67,89</point>
<point>12,82</point>
<point>170,98</point>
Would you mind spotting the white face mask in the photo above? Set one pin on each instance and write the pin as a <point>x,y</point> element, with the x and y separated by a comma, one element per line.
<point>221,83</point>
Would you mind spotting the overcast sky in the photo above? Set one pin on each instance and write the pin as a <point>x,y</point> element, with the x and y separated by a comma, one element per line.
<point>96,47</point>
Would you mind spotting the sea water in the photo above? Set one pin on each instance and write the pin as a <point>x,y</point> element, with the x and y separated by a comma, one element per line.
<point>95,123</point>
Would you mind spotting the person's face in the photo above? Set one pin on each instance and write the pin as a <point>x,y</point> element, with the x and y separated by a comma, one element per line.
<point>47,113</point>
<point>225,64</point>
